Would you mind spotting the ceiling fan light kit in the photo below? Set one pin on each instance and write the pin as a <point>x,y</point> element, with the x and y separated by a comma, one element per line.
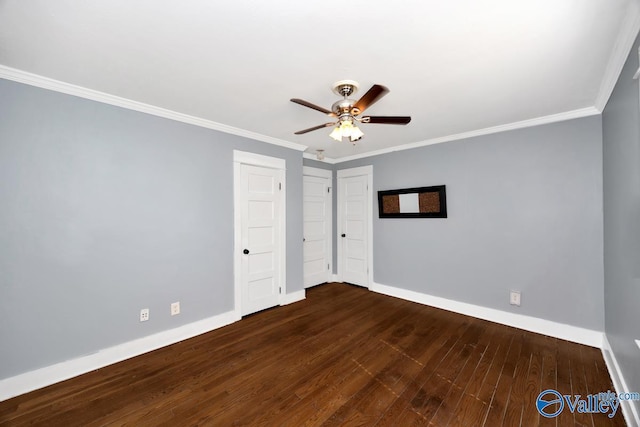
<point>347,111</point>
<point>346,129</point>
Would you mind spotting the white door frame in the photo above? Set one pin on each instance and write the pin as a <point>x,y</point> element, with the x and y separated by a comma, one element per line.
<point>323,173</point>
<point>346,173</point>
<point>247,158</point>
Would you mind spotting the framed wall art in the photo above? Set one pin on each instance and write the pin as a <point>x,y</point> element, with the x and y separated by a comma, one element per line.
<point>420,202</point>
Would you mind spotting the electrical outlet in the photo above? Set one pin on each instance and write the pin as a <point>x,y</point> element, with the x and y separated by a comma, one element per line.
<point>144,314</point>
<point>175,308</point>
<point>514,298</point>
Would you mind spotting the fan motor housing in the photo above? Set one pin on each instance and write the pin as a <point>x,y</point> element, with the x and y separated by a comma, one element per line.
<point>343,106</point>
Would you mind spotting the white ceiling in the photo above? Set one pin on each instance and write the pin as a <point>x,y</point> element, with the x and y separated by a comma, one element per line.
<point>456,66</point>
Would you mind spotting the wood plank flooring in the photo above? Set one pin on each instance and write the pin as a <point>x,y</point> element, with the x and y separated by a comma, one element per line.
<point>343,357</point>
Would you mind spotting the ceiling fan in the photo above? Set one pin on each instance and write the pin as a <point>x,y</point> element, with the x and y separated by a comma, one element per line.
<point>347,111</point>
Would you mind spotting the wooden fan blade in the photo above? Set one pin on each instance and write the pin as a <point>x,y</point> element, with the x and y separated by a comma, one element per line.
<point>313,106</point>
<point>326,125</point>
<point>387,120</point>
<point>372,96</point>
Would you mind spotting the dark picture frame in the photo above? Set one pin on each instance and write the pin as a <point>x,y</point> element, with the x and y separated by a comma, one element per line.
<point>429,202</point>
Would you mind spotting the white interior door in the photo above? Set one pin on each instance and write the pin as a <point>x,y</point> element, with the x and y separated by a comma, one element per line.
<point>317,227</point>
<point>260,234</point>
<point>354,212</point>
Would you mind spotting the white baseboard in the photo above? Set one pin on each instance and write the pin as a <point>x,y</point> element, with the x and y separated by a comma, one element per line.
<point>293,297</point>
<point>33,380</point>
<point>335,278</point>
<point>533,324</point>
<point>629,408</point>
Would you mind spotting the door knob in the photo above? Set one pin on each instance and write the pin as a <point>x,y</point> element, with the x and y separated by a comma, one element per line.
<point>246,251</point>
<point>344,235</point>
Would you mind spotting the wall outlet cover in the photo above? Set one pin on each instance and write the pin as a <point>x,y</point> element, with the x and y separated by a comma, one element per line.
<point>144,314</point>
<point>514,298</point>
<point>175,308</point>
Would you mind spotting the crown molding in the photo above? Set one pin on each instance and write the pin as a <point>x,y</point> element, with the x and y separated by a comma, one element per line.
<point>20,76</point>
<point>624,42</point>
<point>82,92</point>
<point>568,115</point>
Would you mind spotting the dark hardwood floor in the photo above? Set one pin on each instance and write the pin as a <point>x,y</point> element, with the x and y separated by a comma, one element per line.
<point>344,356</point>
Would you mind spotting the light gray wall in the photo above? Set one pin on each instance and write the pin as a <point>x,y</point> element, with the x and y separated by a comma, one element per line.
<point>105,211</point>
<point>525,212</point>
<point>317,164</point>
<point>621,140</point>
